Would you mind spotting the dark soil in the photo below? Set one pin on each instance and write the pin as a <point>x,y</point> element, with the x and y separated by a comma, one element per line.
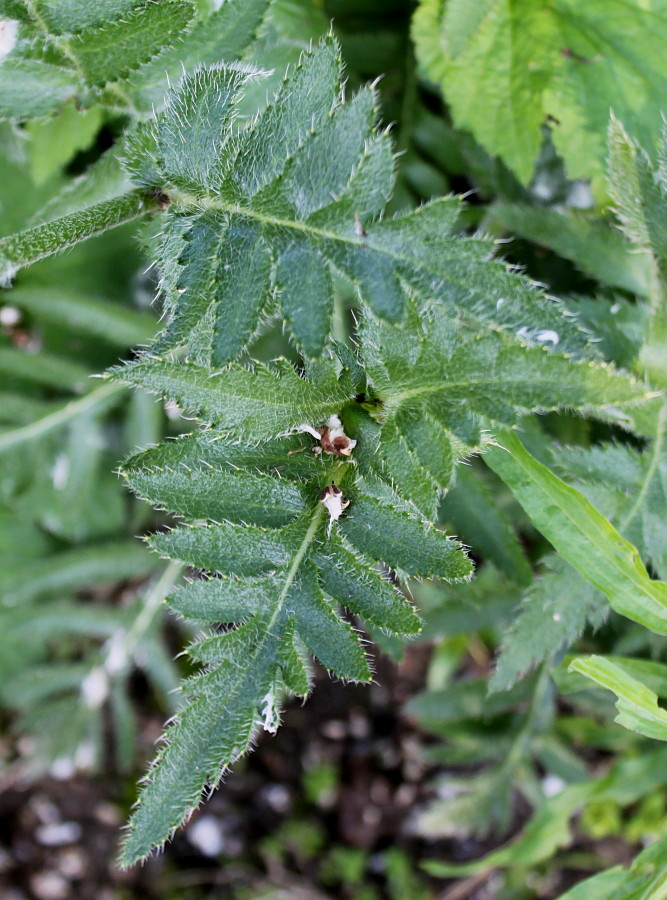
<point>273,825</point>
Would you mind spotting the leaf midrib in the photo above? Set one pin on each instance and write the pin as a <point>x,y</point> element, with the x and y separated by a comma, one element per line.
<point>334,474</point>
<point>307,228</point>
<point>396,400</point>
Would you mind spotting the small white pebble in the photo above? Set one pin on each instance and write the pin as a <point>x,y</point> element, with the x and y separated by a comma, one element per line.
<point>277,797</point>
<point>84,757</point>
<point>49,886</point>
<point>62,768</point>
<point>206,835</point>
<point>95,688</point>
<point>552,785</point>
<point>9,315</point>
<point>72,863</point>
<point>58,833</point>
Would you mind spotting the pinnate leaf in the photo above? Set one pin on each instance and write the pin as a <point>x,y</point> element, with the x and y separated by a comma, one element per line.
<point>303,187</point>
<point>278,566</point>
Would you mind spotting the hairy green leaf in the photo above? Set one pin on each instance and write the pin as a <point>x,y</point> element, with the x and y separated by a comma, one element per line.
<point>242,403</point>
<point>639,191</point>
<point>26,247</point>
<point>108,51</point>
<point>280,562</point>
<point>554,612</point>
<point>302,187</point>
<point>439,382</point>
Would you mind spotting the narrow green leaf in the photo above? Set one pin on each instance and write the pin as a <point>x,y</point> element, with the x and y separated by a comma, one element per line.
<point>105,396</point>
<point>118,325</point>
<point>645,879</point>
<point>582,535</point>
<point>205,111</point>
<point>216,727</point>
<point>549,829</point>
<point>44,369</point>
<point>77,568</point>
<point>637,705</point>
<point>594,245</point>
<point>284,456</point>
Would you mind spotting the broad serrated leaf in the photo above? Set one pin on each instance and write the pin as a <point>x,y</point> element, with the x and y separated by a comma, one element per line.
<point>564,63</point>
<point>303,186</point>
